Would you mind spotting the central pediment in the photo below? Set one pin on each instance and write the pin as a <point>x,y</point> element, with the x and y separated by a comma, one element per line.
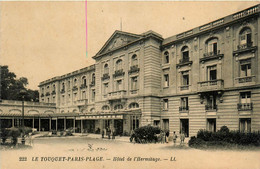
<point>117,40</point>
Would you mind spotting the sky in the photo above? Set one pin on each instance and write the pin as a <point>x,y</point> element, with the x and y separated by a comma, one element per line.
<point>41,40</point>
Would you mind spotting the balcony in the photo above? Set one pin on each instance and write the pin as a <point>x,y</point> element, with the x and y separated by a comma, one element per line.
<point>134,69</point>
<point>116,95</point>
<point>83,86</point>
<point>92,84</point>
<point>53,92</point>
<point>62,91</point>
<point>74,88</point>
<point>184,87</point>
<point>119,73</point>
<point>183,62</point>
<point>105,77</point>
<point>244,106</point>
<point>211,107</point>
<point>245,48</point>
<point>211,56</point>
<point>245,79</point>
<point>81,102</point>
<point>184,108</point>
<point>211,85</point>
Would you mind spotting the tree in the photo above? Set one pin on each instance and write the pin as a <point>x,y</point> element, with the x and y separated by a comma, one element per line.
<point>11,86</point>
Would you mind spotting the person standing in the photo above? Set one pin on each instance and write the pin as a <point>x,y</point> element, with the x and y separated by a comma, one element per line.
<point>174,138</point>
<point>162,137</point>
<point>182,137</point>
<point>167,136</point>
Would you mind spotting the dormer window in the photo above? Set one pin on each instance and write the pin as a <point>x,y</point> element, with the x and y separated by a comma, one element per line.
<point>245,37</point>
<point>166,57</point>
<point>185,54</point>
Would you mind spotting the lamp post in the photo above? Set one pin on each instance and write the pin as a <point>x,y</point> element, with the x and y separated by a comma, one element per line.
<point>23,92</point>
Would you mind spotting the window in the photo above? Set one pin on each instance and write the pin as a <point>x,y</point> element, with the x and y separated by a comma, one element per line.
<point>185,54</point>
<point>53,99</point>
<point>63,87</point>
<point>42,90</point>
<point>245,68</point>
<point>105,88</point>
<point>166,57</point>
<point>166,80</point>
<point>83,95</point>
<point>245,125</point>
<point>75,82</point>
<point>245,37</point>
<point>212,72</point>
<point>156,123</point>
<point>211,125</point>
<point>165,104</point>
<point>93,95</point>
<point>93,79</point>
<point>119,63</point>
<point>185,78</point>
<point>212,46</point>
<point>54,87</point>
<point>118,107</point>
<point>105,108</point>
<point>134,83</point>
<point>84,81</point>
<point>68,84</point>
<point>184,104</point>
<point>118,85</point>
<point>245,101</point>
<point>106,69</point>
<point>48,88</point>
<point>211,102</point>
<point>134,60</point>
<point>134,106</point>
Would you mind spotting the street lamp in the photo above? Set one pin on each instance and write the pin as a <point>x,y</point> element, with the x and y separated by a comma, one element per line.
<point>23,92</point>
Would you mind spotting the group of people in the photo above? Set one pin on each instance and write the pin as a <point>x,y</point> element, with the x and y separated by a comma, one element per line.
<point>182,138</point>
<point>164,136</point>
<point>108,132</point>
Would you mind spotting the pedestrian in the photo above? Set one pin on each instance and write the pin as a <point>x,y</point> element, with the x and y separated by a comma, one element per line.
<point>108,133</point>
<point>174,138</point>
<point>162,137</point>
<point>167,136</point>
<point>182,137</point>
<point>103,133</point>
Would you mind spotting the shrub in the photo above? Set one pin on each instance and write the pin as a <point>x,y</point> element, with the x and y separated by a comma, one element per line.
<point>68,132</point>
<point>146,134</point>
<point>196,142</point>
<point>4,135</point>
<point>14,133</point>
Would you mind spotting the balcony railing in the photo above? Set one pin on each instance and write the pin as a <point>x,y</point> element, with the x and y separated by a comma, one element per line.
<point>211,107</point>
<point>210,54</point>
<point>183,108</point>
<point>81,102</point>
<point>83,86</point>
<point>117,95</point>
<point>92,83</point>
<point>217,84</point>
<point>134,69</point>
<point>74,88</point>
<point>184,87</point>
<point>105,76</point>
<point>245,79</point>
<point>184,60</point>
<point>245,46</point>
<point>244,106</point>
<point>53,92</point>
<point>119,73</point>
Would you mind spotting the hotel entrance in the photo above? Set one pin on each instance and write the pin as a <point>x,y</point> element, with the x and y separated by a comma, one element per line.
<point>184,127</point>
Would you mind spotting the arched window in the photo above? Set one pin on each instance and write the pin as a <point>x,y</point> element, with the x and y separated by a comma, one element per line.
<point>166,57</point>
<point>63,86</point>
<point>92,110</point>
<point>106,69</point>
<point>212,46</point>
<point>185,54</point>
<point>119,63</point>
<point>105,108</point>
<point>75,82</point>
<point>118,107</point>
<point>134,60</point>
<point>84,81</point>
<point>134,106</point>
<point>245,37</point>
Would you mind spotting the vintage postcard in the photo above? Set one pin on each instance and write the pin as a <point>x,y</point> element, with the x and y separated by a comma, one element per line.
<point>130,84</point>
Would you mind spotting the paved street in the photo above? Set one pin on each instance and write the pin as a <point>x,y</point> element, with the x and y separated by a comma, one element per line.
<point>82,152</point>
